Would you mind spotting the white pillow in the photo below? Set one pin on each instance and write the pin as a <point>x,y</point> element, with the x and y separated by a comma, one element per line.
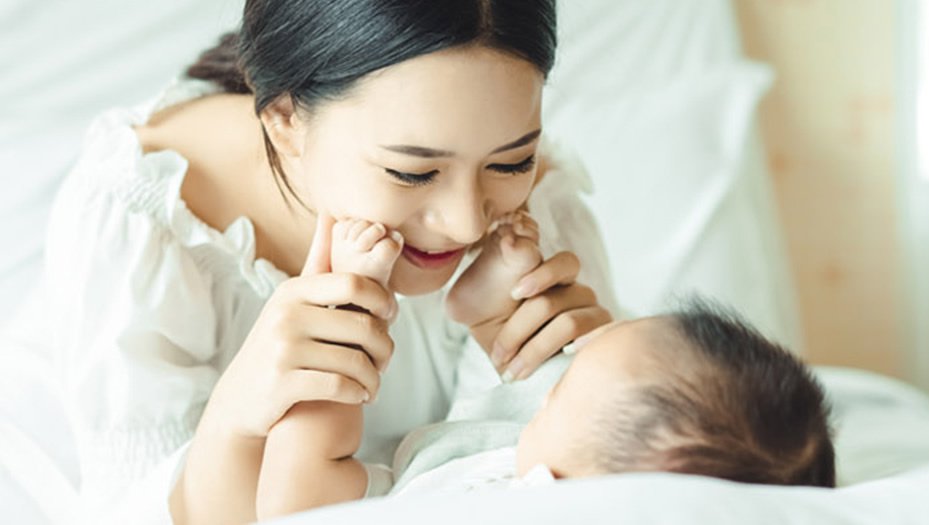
<point>657,101</point>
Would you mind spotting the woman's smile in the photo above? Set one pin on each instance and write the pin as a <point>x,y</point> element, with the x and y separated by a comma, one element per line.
<point>430,260</point>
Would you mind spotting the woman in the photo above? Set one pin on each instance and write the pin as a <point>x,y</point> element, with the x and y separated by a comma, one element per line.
<point>177,245</point>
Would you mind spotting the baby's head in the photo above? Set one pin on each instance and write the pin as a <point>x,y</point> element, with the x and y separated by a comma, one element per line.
<point>697,391</point>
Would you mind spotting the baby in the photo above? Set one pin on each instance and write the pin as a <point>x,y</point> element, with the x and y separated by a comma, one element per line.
<point>696,391</point>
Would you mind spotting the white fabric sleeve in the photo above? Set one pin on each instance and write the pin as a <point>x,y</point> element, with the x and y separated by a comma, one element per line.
<point>380,480</point>
<point>566,223</point>
<point>133,320</point>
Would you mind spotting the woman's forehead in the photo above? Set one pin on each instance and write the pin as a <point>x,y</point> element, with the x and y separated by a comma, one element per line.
<point>446,98</point>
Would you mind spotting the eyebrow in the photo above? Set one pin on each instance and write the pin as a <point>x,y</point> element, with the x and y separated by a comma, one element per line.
<point>430,153</point>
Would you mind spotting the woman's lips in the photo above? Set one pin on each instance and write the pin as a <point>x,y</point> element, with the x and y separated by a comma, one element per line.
<point>431,261</point>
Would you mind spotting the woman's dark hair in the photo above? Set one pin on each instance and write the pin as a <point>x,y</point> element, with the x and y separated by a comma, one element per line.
<point>317,50</point>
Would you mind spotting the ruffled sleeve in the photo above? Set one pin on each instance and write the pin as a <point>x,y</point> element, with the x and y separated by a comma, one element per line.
<point>566,222</point>
<point>132,316</point>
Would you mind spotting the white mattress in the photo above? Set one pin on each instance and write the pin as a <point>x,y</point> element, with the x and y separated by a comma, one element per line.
<point>646,499</point>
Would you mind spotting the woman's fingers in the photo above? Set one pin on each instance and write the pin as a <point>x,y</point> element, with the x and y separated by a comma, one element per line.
<point>342,327</point>
<point>314,385</point>
<point>564,328</point>
<point>561,269</point>
<point>533,314</point>
<point>317,260</point>
<point>340,289</point>
<point>349,362</point>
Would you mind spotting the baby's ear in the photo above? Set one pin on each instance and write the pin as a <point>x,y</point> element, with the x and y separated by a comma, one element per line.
<point>284,127</point>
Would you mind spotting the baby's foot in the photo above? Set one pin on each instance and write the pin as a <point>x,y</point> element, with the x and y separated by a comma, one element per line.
<point>364,248</point>
<point>482,293</point>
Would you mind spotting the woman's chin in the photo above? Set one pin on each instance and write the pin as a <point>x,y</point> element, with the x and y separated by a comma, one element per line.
<point>414,288</point>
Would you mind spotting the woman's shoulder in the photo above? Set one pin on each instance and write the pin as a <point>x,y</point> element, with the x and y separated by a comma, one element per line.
<point>125,192</point>
<point>112,159</point>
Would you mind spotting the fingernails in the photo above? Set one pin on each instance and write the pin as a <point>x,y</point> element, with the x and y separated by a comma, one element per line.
<point>512,373</point>
<point>570,348</point>
<point>580,342</point>
<point>366,397</point>
<point>395,235</point>
<point>522,290</point>
<point>497,356</point>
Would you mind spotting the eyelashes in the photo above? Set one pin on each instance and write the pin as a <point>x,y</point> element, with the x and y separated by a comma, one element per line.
<point>521,167</point>
<point>421,179</point>
<point>413,179</point>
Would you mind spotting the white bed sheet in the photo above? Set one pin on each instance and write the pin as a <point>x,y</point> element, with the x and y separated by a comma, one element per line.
<point>645,499</point>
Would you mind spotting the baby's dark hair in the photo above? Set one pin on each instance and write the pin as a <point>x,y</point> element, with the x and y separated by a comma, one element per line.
<point>734,405</point>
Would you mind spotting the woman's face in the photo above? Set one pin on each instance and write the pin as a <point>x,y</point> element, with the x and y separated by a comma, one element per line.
<point>436,147</point>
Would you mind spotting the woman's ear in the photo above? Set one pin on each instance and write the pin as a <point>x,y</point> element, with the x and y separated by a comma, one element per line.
<point>283,126</point>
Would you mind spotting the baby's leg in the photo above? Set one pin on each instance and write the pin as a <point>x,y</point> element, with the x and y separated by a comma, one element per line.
<point>481,297</point>
<point>305,462</point>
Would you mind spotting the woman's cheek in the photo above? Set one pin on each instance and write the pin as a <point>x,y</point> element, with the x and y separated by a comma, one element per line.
<point>372,202</point>
<point>510,195</point>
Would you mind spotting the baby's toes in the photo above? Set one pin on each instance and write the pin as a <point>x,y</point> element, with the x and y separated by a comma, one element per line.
<point>341,229</point>
<point>519,253</point>
<point>504,230</point>
<point>388,248</point>
<point>356,228</point>
<point>368,236</point>
<point>508,218</point>
<point>525,226</point>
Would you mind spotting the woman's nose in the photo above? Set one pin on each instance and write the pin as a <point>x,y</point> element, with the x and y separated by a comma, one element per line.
<point>462,215</point>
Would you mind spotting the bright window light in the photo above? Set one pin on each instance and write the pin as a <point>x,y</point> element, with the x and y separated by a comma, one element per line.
<point>922,134</point>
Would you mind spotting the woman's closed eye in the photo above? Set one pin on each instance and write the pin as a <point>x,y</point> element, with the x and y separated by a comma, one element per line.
<point>421,179</point>
<point>521,167</point>
<point>413,179</point>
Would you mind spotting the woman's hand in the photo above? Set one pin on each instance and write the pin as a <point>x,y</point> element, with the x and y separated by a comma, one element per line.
<point>300,349</point>
<point>556,311</point>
